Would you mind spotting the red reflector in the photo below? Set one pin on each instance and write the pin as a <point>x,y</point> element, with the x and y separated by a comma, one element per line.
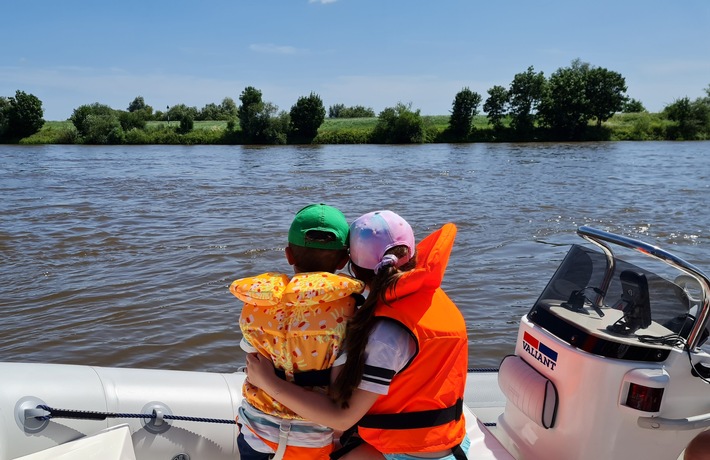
<point>644,398</point>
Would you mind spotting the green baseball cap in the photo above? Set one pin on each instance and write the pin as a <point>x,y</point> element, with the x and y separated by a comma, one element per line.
<point>322,218</point>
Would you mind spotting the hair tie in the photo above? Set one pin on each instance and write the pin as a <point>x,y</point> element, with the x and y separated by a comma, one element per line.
<point>387,260</point>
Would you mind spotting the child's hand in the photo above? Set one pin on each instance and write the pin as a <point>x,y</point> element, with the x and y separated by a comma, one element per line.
<point>260,370</point>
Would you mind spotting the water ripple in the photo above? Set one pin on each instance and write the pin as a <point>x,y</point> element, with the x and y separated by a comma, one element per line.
<point>121,256</point>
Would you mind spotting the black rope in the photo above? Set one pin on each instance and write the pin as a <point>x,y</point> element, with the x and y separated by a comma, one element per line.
<point>90,415</point>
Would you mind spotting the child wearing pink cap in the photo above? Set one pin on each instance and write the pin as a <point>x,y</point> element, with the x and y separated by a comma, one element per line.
<point>403,383</point>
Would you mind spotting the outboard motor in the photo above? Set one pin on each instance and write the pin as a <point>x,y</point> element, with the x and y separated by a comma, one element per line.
<point>608,362</point>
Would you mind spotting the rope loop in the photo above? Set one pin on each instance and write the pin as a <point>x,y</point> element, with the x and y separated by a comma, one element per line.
<point>90,415</point>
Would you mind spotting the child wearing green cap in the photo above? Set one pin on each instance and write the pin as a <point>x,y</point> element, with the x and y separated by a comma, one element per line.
<point>299,323</point>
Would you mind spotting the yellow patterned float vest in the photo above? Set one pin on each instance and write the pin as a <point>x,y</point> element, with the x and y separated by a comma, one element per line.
<point>298,322</point>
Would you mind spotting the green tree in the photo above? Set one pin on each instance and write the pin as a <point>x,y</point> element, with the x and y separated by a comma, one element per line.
<point>250,114</point>
<point>187,122</point>
<point>524,96</point>
<point>180,111</point>
<point>307,115</point>
<point>335,110</point>
<point>140,114</point>
<point>578,94</point>
<point>97,124</point>
<point>137,104</point>
<point>605,92</point>
<point>465,107</point>
<point>81,114</point>
<point>633,106</point>
<point>210,111</point>
<point>24,115</point>
<point>692,118</point>
<point>399,125</point>
<point>133,120</point>
<point>357,111</point>
<point>261,121</point>
<point>496,106</point>
<point>360,111</point>
<point>566,107</point>
<point>103,129</point>
<point>278,125</point>
<point>228,109</point>
<point>4,114</point>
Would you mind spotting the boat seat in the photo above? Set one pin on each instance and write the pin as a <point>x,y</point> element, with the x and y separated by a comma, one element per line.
<point>484,444</point>
<point>113,443</point>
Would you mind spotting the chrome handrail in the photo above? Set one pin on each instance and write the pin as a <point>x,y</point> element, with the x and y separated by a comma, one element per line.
<point>597,237</point>
<point>608,274</point>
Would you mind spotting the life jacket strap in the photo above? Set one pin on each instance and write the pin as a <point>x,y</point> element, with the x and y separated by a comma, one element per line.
<point>348,442</point>
<point>412,420</point>
<point>459,453</point>
<point>284,431</point>
<point>320,378</point>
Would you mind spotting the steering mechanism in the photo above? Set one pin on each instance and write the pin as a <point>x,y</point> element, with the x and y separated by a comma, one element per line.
<point>634,303</point>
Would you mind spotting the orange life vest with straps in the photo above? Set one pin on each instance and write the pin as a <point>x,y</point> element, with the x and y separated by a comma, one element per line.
<point>299,323</point>
<point>422,411</point>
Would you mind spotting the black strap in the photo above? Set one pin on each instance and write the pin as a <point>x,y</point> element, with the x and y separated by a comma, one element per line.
<point>458,453</point>
<point>349,440</point>
<point>359,299</point>
<point>308,378</point>
<point>410,420</point>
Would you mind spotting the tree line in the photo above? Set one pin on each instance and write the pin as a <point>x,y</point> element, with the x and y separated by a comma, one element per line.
<point>572,104</point>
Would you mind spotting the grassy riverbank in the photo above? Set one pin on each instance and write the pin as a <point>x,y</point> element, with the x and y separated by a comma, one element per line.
<point>629,126</point>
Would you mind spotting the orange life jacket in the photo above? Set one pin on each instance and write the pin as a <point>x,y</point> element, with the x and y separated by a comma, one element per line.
<point>299,323</point>
<point>422,410</point>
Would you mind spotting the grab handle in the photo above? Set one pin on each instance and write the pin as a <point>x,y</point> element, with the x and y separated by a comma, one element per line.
<point>675,424</point>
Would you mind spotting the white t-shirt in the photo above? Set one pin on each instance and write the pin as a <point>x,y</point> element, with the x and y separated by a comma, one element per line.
<point>389,348</point>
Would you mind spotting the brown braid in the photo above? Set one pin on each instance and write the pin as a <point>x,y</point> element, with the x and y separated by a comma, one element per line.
<point>362,322</point>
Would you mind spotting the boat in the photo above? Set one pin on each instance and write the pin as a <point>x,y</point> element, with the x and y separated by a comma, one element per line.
<point>608,363</point>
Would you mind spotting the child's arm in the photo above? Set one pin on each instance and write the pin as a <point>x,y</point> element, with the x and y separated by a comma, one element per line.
<point>316,407</point>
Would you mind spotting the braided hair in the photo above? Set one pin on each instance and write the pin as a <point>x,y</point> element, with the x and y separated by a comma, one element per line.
<point>360,326</point>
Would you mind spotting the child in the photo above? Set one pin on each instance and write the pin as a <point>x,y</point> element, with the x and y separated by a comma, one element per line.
<point>299,323</point>
<point>407,351</point>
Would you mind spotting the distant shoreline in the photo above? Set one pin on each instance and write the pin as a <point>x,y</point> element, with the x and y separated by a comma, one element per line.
<point>620,127</point>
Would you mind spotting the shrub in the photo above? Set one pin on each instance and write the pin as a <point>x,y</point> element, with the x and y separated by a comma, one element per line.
<point>399,125</point>
<point>344,136</point>
<point>465,107</point>
<point>307,116</point>
<point>23,115</point>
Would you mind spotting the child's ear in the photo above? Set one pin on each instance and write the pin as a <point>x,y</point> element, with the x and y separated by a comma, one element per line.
<point>289,256</point>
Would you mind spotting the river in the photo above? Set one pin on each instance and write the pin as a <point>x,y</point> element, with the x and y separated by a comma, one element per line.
<point>122,255</point>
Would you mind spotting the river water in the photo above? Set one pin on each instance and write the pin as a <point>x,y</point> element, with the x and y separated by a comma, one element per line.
<point>122,256</point>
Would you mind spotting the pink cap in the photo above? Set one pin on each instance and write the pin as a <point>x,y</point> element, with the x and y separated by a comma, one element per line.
<point>373,234</point>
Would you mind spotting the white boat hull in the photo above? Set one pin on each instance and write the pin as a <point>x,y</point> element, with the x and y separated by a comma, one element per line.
<point>608,364</point>
<point>189,394</point>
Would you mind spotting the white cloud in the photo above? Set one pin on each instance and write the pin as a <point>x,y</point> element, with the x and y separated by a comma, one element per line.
<point>323,2</point>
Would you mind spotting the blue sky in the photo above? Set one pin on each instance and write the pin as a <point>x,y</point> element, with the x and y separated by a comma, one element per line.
<point>353,52</point>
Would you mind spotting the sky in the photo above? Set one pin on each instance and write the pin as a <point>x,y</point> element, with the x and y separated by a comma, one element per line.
<point>373,53</point>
